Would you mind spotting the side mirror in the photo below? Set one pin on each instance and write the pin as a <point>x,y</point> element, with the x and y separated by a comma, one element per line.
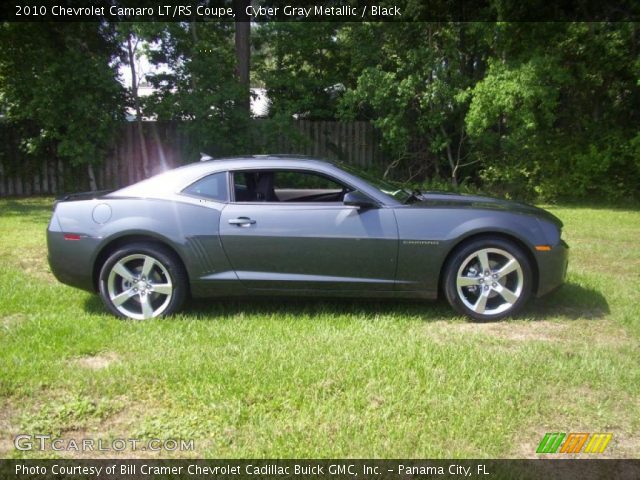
<point>358,199</point>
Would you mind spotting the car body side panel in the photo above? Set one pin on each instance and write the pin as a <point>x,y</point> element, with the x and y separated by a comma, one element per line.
<point>190,228</point>
<point>427,235</point>
<point>311,246</point>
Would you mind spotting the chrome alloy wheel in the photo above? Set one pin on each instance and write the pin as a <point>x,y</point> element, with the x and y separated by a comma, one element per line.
<point>139,286</point>
<point>490,281</point>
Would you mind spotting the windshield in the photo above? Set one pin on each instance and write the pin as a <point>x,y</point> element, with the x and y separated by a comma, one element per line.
<point>393,190</point>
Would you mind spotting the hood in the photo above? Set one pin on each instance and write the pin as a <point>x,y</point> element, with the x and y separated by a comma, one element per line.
<point>456,200</point>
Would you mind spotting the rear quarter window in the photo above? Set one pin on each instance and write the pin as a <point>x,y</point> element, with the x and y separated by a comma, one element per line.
<point>211,187</point>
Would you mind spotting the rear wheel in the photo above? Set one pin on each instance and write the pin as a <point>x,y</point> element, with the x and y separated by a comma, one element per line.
<point>141,281</point>
<point>488,279</point>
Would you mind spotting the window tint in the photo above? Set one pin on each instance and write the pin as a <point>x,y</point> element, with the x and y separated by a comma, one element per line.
<point>304,181</point>
<point>213,187</point>
<point>286,186</point>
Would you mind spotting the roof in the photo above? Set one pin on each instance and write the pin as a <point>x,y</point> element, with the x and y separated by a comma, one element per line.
<point>177,178</point>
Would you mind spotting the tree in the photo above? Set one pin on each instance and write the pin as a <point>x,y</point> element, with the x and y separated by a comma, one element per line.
<point>303,66</point>
<point>243,51</point>
<point>59,84</point>
<point>411,85</point>
<point>131,40</point>
<point>557,110</point>
<point>199,87</point>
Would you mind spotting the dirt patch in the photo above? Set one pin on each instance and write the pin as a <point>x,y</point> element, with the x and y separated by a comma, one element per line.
<point>523,331</point>
<point>111,430</point>
<point>627,446</point>
<point>623,444</point>
<point>9,321</point>
<point>509,331</point>
<point>97,362</point>
<point>606,334</point>
<point>6,439</point>
<point>33,261</point>
<point>119,425</point>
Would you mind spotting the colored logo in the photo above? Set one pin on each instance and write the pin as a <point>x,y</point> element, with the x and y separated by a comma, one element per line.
<point>574,442</point>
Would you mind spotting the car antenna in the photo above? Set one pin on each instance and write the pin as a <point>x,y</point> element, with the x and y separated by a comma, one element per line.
<point>204,157</point>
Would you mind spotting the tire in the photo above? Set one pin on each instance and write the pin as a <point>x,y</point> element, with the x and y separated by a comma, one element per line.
<point>499,289</point>
<point>143,280</point>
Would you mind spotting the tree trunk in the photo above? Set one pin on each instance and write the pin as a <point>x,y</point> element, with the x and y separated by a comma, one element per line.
<point>93,186</point>
<point>243,50</point>
<point>136,103</point>
<point>452,164</point>
<point>194,36</point>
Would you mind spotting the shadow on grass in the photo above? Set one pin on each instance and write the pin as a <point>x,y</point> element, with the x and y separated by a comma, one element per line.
<point>37,208</point>
<point>571,301</point>
<point>211,308</point>
<point>321,306</point>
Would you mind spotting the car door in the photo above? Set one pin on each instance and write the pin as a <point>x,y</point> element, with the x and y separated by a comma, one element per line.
<point>305,238</point>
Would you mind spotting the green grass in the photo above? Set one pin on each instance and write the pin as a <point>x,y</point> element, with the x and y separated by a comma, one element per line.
<point>318,378</point>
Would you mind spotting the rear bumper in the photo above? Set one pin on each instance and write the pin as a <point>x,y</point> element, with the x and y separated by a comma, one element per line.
<point>71,260</point>
<point>552,268</point>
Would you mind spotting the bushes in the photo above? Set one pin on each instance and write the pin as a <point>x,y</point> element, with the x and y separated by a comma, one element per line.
<point>608,172</point>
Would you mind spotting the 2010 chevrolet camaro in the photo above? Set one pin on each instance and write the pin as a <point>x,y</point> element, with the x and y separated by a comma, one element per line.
<point>294,226</point>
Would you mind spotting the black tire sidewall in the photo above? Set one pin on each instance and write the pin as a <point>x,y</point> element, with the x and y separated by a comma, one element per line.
<point>462,252</point>
<point>162,255</point>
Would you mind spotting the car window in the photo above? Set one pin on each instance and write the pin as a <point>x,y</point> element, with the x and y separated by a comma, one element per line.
<point>287,186</point>
<point>213,187</point>
<point>304,181</point>
<point>390,189</point>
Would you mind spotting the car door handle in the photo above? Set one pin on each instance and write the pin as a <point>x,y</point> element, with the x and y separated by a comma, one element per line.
<point>241,221</point>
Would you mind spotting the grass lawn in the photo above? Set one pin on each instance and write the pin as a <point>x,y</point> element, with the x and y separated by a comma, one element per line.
<point>318,378</point>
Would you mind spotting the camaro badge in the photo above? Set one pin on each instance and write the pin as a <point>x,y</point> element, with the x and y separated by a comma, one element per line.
<point>420,242</point>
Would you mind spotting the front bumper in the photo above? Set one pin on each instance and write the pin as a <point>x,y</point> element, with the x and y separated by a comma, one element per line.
<point>552,268</point>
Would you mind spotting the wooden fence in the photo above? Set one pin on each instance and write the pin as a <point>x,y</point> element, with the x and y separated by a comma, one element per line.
<point>354,142</point>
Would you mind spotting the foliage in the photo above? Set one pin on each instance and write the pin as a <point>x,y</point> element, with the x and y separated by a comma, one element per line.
<point>59,87</point>
<point>199,86</point>
<point>527,110</point>
<point>411,85</point>
<point>555,115</point>
<point>302,66</point>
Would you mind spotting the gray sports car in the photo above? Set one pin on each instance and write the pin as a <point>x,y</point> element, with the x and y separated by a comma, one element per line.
<point>295,226</point>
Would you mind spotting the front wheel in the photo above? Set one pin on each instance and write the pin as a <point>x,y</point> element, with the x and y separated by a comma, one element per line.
<point>141,281</point>
<point>488,279</point>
